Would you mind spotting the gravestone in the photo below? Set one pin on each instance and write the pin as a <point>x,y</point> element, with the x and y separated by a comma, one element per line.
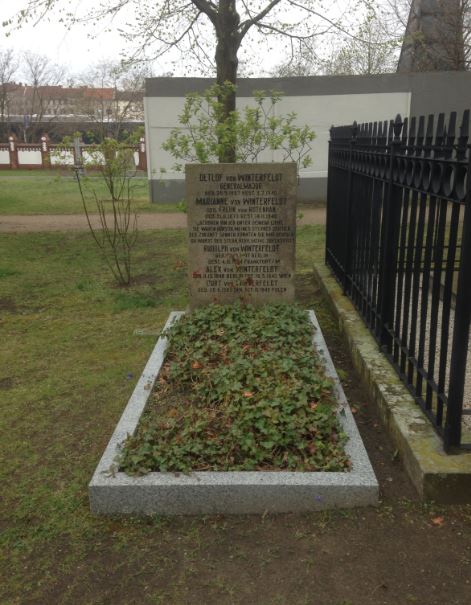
<point>241,232</point>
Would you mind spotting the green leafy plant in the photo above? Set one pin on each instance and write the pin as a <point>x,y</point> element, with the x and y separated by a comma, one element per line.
<point>205,134</point>
<point>117,231</point>
<point>241,389</point>
<point>68,140</point>
<point>133,138</point>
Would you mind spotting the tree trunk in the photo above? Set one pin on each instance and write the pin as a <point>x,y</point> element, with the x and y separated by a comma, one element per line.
<point>228,42</point>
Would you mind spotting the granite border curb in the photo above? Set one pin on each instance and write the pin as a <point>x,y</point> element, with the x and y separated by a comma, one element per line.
<point>443,478</point>
<point>201,493</point>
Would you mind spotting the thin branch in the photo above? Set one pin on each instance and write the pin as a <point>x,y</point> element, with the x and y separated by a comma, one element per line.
<point>246,25</point>
<point>332,23</point>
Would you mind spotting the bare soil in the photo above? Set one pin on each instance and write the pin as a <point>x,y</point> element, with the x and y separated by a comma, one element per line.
<point>78,222</point>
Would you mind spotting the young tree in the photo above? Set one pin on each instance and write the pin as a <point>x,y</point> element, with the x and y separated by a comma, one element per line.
<point>250,132</point>
<point>168,24</point>
<point>117,232</point>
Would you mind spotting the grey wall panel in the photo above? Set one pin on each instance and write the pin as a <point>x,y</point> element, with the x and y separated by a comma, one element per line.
<point>431,91</point>
<point>440,92</point>
<point>298,86</point>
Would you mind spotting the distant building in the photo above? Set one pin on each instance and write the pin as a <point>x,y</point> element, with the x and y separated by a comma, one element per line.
<point>30,111</point>
<point>60,101</point>
<point>130,103</point>
<point>434,37</point>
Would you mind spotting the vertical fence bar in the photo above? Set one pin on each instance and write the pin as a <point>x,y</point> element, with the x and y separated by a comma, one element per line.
<point>390,249</point>
<point>348,235</point>
<point>459,353</point>
<point>330,194</point>
<point>418,254</point>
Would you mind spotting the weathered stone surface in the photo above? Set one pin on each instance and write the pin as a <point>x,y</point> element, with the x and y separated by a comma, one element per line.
<point>113,492</point>
<point>443,478</point>
<point>241,232</point>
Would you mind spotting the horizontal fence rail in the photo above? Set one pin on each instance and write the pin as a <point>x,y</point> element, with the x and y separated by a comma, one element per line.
<point>398,239</point>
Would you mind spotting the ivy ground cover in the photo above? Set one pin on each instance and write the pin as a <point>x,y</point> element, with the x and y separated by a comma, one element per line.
<point>241,389</point>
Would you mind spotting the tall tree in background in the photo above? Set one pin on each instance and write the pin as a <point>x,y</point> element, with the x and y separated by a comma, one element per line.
<point>369,49</point>
<point>167,24</point>
<point>8,69</point>
<point>39,74</point>
<point>113,93</point>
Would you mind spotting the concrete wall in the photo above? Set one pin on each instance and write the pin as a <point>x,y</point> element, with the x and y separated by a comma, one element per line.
<point>320,101</point>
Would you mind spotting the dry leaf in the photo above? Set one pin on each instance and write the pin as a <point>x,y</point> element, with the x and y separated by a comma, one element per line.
<point>438,521</point>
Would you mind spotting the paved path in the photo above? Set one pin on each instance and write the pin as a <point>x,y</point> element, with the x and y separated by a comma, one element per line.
<point>78,222</point>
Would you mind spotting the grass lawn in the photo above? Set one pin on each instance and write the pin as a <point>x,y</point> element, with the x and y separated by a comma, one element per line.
<point>70,360</point>
<point>49,192</point>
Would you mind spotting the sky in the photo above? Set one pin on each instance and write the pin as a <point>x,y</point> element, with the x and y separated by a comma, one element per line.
<point>72,48</point>
<point>78,51</point>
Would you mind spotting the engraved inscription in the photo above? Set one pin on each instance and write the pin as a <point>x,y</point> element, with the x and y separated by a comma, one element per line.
<point>241,232</point>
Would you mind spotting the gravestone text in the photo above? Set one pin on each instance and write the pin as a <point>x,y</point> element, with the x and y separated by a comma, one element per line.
<point>241,232</point>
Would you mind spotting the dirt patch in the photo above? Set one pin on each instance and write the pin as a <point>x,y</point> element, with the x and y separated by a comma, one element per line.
<point>6,383</point>
<point>78,222</point>
<point>146,279</point>
<point>8,304</point>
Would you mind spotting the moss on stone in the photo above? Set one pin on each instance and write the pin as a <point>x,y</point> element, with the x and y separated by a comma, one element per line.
<point>437,476</point>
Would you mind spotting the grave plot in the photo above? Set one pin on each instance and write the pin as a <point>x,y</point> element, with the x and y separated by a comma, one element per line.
<point>232,492</point>
<point>309,455</point>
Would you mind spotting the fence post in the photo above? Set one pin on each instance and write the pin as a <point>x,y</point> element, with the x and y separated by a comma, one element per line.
<point>13,151</point>
<point>459,352</point>
<point>389,246</point>
<point>142,154</point>
<point>348,255</point>
<point>45,151</point>
<point>329,197</point>
<point>78,158</point>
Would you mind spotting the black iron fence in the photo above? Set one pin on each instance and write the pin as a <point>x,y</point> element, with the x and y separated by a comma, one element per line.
<point>399,241</point>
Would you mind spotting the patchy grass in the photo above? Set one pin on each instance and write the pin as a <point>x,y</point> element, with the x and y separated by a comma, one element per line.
<point>69,361</point>
<point>52,193</point>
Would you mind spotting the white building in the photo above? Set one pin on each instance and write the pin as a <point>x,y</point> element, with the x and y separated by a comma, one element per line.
<point>319,101</point>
